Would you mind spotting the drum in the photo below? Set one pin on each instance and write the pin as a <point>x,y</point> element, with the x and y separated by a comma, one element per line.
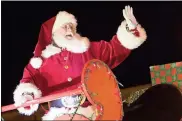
<point>101,89</point>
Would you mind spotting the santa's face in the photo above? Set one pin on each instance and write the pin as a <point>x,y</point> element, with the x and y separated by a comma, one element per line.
<point>67,30</point>
<point>67,37</point>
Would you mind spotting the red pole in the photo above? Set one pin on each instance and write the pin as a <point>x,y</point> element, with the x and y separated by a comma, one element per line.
<point>42,99</point>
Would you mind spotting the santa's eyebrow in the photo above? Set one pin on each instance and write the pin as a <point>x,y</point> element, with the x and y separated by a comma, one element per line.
<point>71,24</point>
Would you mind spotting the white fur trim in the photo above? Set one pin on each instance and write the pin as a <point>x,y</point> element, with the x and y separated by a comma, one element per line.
<point>29,112</point>
<point>19,99</point>
<point>128,39</point>
<point>87,112</point>
<point>50,50</point>
<point>36,62</point>
<point>56,112</point>
<point>62,18</point>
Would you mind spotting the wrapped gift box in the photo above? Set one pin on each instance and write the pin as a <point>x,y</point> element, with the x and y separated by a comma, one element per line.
<point>167,73</point>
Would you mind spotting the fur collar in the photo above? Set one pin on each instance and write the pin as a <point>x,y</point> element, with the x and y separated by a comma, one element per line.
<point>50,50</point>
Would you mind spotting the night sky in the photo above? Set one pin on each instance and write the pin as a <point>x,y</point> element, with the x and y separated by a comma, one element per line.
<point>21,22</point>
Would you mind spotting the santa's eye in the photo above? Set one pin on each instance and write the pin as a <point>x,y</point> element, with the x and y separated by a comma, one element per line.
<point>63,27</point>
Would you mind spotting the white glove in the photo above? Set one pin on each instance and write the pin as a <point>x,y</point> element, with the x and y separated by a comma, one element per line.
<point>129,17</point>
<point>26,92</point>
<point>24,98</point>
<point>29,109</point>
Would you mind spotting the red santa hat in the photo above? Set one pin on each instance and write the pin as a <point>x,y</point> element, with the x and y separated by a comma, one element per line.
<point>45,35</point>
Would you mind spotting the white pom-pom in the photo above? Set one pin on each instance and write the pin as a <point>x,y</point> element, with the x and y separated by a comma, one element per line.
<point>36,62</point>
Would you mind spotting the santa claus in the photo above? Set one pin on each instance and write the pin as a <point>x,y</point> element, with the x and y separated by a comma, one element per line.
<point>60,55</point>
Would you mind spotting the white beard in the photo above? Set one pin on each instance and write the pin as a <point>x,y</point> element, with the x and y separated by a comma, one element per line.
<point>77,44</point>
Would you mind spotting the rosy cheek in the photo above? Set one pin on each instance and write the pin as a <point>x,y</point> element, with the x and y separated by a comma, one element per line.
<point>61,31</point>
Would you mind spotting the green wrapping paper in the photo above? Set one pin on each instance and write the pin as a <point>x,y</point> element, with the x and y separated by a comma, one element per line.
<point>167,73</point>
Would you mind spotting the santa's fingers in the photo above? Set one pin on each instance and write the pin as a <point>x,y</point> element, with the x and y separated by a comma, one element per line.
<point>131,17</point>
<point>132,11</point>
<point>126,10</point>
<point>129,11</point>
<point>125,15</point>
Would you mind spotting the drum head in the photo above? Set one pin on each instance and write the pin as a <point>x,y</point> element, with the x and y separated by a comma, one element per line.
<point>101,88</point>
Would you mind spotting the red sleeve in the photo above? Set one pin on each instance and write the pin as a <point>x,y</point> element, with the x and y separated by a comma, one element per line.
<point>27,86</point>
<point>29,75</point>
<point>112,53</point>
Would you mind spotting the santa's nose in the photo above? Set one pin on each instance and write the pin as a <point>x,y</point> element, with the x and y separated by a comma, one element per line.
<point>69,29</point>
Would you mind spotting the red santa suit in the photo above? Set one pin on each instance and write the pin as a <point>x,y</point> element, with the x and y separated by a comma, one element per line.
<point>57,67</point>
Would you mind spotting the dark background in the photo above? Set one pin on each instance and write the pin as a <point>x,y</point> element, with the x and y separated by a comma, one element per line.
<point>21,22</point>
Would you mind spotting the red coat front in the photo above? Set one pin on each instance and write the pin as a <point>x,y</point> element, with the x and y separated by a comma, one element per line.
<point>62,71</point>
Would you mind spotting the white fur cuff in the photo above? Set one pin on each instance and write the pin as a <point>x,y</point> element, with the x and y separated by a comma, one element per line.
<point>129,40</point>
<point>30,111</point>
<point>19,99</point>
<point>56,112</point>
<point>36,62</point>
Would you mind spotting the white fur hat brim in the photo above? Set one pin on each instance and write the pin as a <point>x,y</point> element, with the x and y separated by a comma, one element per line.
<point>62,18</point>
